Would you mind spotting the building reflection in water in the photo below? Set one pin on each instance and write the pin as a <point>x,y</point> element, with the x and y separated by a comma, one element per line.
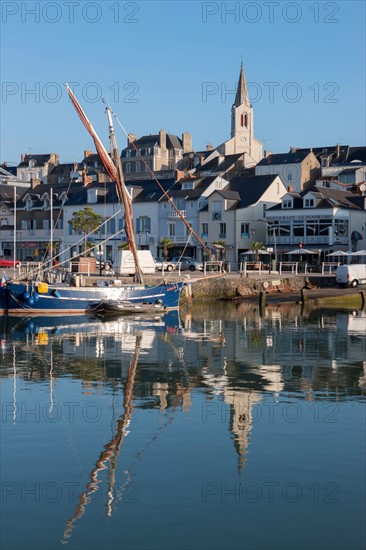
<point>232,354</point>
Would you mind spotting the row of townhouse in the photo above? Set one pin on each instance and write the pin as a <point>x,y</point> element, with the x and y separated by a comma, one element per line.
<point>235,213</point>
<point>233,193</point>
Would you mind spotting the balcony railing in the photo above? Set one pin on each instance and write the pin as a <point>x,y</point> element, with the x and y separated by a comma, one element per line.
<point>174,214</point>
<point>177,239</point>
<point>306,240</point>
<point>25,234</point>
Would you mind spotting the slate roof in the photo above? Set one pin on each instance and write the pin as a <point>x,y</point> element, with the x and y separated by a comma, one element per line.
<point>7,193</point>
<point>40,160</point>
<point>172,142</point>
<point>357,153</point>
<point>328,198</point>
<point>328,151</point>
<point>284,158</point>
<point>218,165</point>
<point>11,169</point>
<point>250,189</point>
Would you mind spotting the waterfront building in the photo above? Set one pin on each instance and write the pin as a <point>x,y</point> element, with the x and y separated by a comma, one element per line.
<point>321,219</point>
<point>234,214</point>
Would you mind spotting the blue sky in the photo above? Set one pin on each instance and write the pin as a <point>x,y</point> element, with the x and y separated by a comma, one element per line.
<point>174,65</point>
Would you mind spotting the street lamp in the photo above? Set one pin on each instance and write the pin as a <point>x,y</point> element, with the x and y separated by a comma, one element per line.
<point>271,225</point>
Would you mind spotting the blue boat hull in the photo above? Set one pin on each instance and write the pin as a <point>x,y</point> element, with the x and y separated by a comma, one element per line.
<point>20,298</point>
<point>3,303</point>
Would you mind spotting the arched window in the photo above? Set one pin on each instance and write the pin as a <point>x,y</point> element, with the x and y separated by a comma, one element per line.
<point>128,167</point>
<point>138,166</point>
<point>241,120</point>
<point>246,120</point>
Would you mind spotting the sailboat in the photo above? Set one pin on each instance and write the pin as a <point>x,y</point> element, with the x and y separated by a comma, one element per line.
<point>43,298</point>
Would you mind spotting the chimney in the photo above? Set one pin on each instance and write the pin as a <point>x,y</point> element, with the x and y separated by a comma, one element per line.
<point>35,182</point>
<point>187,142</point>
<point>130,139</point>
<point>209,147</point>
<point>87,154</point>
<point>290,189</point>
<point>338,150</point>
<point>162,140</point>
<point>178,175</point>
<point>267,153</point>
<point>86,179</point>
<point>293,149</point>
<point>22,157</point>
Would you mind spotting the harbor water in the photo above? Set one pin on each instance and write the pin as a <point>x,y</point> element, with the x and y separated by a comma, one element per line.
<point>219,428</point>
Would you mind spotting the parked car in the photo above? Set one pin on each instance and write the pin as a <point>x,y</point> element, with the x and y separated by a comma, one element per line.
<point>5,262</point>
<point>184,262</point>
<point>160,264</point>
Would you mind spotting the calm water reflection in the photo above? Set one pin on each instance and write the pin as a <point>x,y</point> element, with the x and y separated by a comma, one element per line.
<point>221,429</point>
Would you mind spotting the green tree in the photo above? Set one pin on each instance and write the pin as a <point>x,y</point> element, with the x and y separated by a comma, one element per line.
<point>256,247</point>
<point>167,245</point>
<point>85,221</point>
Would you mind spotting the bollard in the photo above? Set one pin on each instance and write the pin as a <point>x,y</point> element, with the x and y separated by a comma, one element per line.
<point>262,300</point>
<point>304,296</point>
<point>363,299</point>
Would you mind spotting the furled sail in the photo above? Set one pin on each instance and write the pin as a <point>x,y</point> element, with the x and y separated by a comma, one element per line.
<point>114,170</point>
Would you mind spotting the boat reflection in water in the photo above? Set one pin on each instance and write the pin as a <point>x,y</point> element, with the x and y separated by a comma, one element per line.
<point>193,380</point>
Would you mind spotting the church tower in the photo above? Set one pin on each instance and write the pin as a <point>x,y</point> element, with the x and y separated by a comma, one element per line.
<point>242,139</point>
<point>242,116</point>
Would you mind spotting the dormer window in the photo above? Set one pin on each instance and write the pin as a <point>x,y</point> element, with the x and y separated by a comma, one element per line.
<point>46,203</point>
<point>187,185</point>
<point>32,163</point>
<point>28,203</point>
<point>287,203</point>
<point>92,196</point>
<point>309,203</point>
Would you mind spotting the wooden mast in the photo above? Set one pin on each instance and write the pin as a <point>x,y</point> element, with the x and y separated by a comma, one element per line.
<point>124,197</point>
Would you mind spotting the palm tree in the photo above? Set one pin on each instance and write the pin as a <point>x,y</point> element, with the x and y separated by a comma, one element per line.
<point>256,246</point>
<point>167,245</point>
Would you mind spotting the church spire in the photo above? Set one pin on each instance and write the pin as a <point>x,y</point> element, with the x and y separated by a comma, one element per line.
<point>241,91</point>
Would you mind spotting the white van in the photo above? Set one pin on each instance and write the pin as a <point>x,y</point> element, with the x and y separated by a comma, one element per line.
<point>126,264</point>
<point>351,275</point>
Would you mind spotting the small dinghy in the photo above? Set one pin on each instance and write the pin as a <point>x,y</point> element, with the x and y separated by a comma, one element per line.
<point>125,307</point>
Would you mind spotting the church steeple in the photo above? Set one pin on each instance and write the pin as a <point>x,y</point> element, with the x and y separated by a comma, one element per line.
<point>242,115</point>
<point>242,126</point>
<point>241,91</point>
